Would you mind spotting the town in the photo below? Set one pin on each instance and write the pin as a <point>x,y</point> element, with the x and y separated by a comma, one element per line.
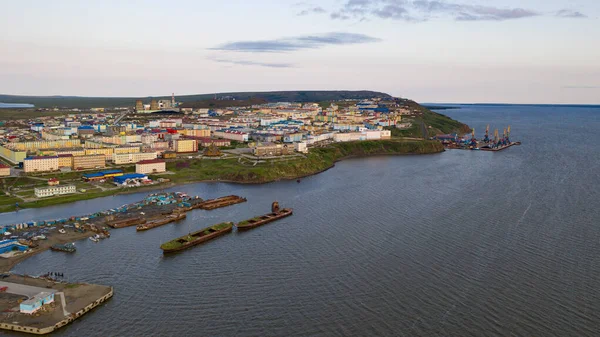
<point>102,150</point>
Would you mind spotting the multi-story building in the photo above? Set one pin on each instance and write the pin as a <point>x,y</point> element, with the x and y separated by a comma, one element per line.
<point>131,158</point>
<point>49,191</point>
<point>206,142</point>
<point>4,170</point>
<point>40,164</point>
<point>12,155</point>
<point>239,136</point>
<point>270,149</point>
<point>195,132</point>
<point>185,145</point>
<point>43,145</point>
<point>150,166</point>
<point>89,162</point>
<point>65,160</point>
<point>126,149</point>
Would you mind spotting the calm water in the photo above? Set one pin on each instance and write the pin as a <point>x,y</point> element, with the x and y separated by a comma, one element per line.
<point>455,244</point>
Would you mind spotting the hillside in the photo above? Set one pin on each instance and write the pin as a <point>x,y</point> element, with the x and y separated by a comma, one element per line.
<point>108,102</point>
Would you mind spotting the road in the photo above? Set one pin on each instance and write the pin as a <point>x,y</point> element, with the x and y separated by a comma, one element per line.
<point>24,290</point>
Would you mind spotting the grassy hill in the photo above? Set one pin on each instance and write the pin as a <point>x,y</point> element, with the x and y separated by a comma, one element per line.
<point>270,96</point>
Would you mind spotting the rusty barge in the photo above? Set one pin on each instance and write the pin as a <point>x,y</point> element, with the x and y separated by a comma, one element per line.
<point>275,214</point>
<point>160,222</point>
<point>197,237</point>
<point>127,222</point>
<point>220,202</point>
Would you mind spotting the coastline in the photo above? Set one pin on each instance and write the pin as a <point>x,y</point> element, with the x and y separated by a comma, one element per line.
<point>324,157</point>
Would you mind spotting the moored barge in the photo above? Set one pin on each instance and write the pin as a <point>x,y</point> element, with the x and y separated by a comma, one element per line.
<point>127,222</point>
<point>160,222</point>
<point>220,202</point>
<point>197,237</point>
<point>275,214</point>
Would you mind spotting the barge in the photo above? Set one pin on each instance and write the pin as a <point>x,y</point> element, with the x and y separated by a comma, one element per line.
<point>160,222</point>
<point>500,148</point>
<point>127,222</point>
<point>220,202</point>
<point>275,214</point>
<point>197,237</point>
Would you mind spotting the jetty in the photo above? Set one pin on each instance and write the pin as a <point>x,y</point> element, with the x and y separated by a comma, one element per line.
<point>40,306</point>
<point>197,237</point>
<point>160,222</point>
<point>275,214</point>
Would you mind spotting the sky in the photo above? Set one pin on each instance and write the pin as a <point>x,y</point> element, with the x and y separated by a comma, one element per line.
<point>454,51</point>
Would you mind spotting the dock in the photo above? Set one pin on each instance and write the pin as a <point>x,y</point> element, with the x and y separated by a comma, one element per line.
<point>54,313</point>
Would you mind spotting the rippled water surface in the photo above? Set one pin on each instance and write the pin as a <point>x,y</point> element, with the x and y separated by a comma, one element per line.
<point>463,243</point>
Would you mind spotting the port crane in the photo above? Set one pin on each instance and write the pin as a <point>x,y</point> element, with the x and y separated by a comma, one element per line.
<point>486,139</point>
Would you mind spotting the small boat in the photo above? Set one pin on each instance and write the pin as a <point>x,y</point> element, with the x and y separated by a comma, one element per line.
<point>67,247</point>
<point>62,231</point>
<point>93,238</point>
<point>196,237</point>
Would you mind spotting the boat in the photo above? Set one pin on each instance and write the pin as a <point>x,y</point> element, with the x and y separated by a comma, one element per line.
<point>62,231</point>
<point>160,222</point>
<point>275,214</point>
<point>220,202</point>
<point>94,238</point>
<point>127,222</point>
<point>196,237</point>
<point>67,247</point>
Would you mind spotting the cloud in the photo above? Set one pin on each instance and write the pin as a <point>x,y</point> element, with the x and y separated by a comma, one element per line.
<point>312,10</point>
<point>423,10</point>
<point>253,63</point>
<point>567,13</point>
<point>296,43</point>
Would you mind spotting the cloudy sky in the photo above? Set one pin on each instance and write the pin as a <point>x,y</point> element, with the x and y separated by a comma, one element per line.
<point>506,51</point>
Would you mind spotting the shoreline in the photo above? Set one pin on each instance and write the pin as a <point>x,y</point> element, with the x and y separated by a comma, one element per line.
<point>242,182</point>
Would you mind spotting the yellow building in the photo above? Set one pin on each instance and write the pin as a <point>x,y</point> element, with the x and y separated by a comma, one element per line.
<point>40,164</point>
<point>185,145</point>
<point>126,149</point>
<point>45,144</point>
<point>65,160</point>
<point>41,192</point>
<point>270,149</point>
<point>11,155</point>
<point>131,158</point>
<point>150,166</point>
<point>89,162</point>
<point>74,152</point>
<point>107,152</point>
<point>195,132</point>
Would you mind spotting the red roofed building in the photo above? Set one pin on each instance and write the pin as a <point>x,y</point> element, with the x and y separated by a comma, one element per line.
<point>4,170</point>
<point>150,166</point>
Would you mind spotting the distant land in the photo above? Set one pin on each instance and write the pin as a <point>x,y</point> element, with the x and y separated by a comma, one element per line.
<point>268,96</point>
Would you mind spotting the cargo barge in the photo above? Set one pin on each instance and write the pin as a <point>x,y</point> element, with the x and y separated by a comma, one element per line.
<point>275,214</point>
<point>160,222</point>
<point>220,202</point>
<point>500,148</point>
<point>197,237</point>
<point>127,222</point>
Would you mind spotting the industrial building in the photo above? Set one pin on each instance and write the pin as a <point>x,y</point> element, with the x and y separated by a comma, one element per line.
<point>35,303</point>
<point>127,179</point>
<point>150,166</point>
<point>50,191</point>
<point>102,175</point>
<point>10,245</point>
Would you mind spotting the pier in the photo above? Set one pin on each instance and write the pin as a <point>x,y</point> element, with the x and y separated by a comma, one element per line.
<point>52,314</point>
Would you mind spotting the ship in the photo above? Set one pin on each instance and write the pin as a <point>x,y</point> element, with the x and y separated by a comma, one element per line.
<point>196,237</point>
<point>160,222</point>
<point>275,214</point>
<point>67,247</point>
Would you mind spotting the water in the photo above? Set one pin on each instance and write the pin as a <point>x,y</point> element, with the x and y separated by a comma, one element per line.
<point>463,243</point>
<point>16,105</point>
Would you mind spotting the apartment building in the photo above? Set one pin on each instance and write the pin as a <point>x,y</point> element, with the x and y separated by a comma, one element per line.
<point>4,170</point>
<point>185,145</point>
<point>40,164</point>
<point>131,158</point>
<point>150,166</point>
<point>89,162</point>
